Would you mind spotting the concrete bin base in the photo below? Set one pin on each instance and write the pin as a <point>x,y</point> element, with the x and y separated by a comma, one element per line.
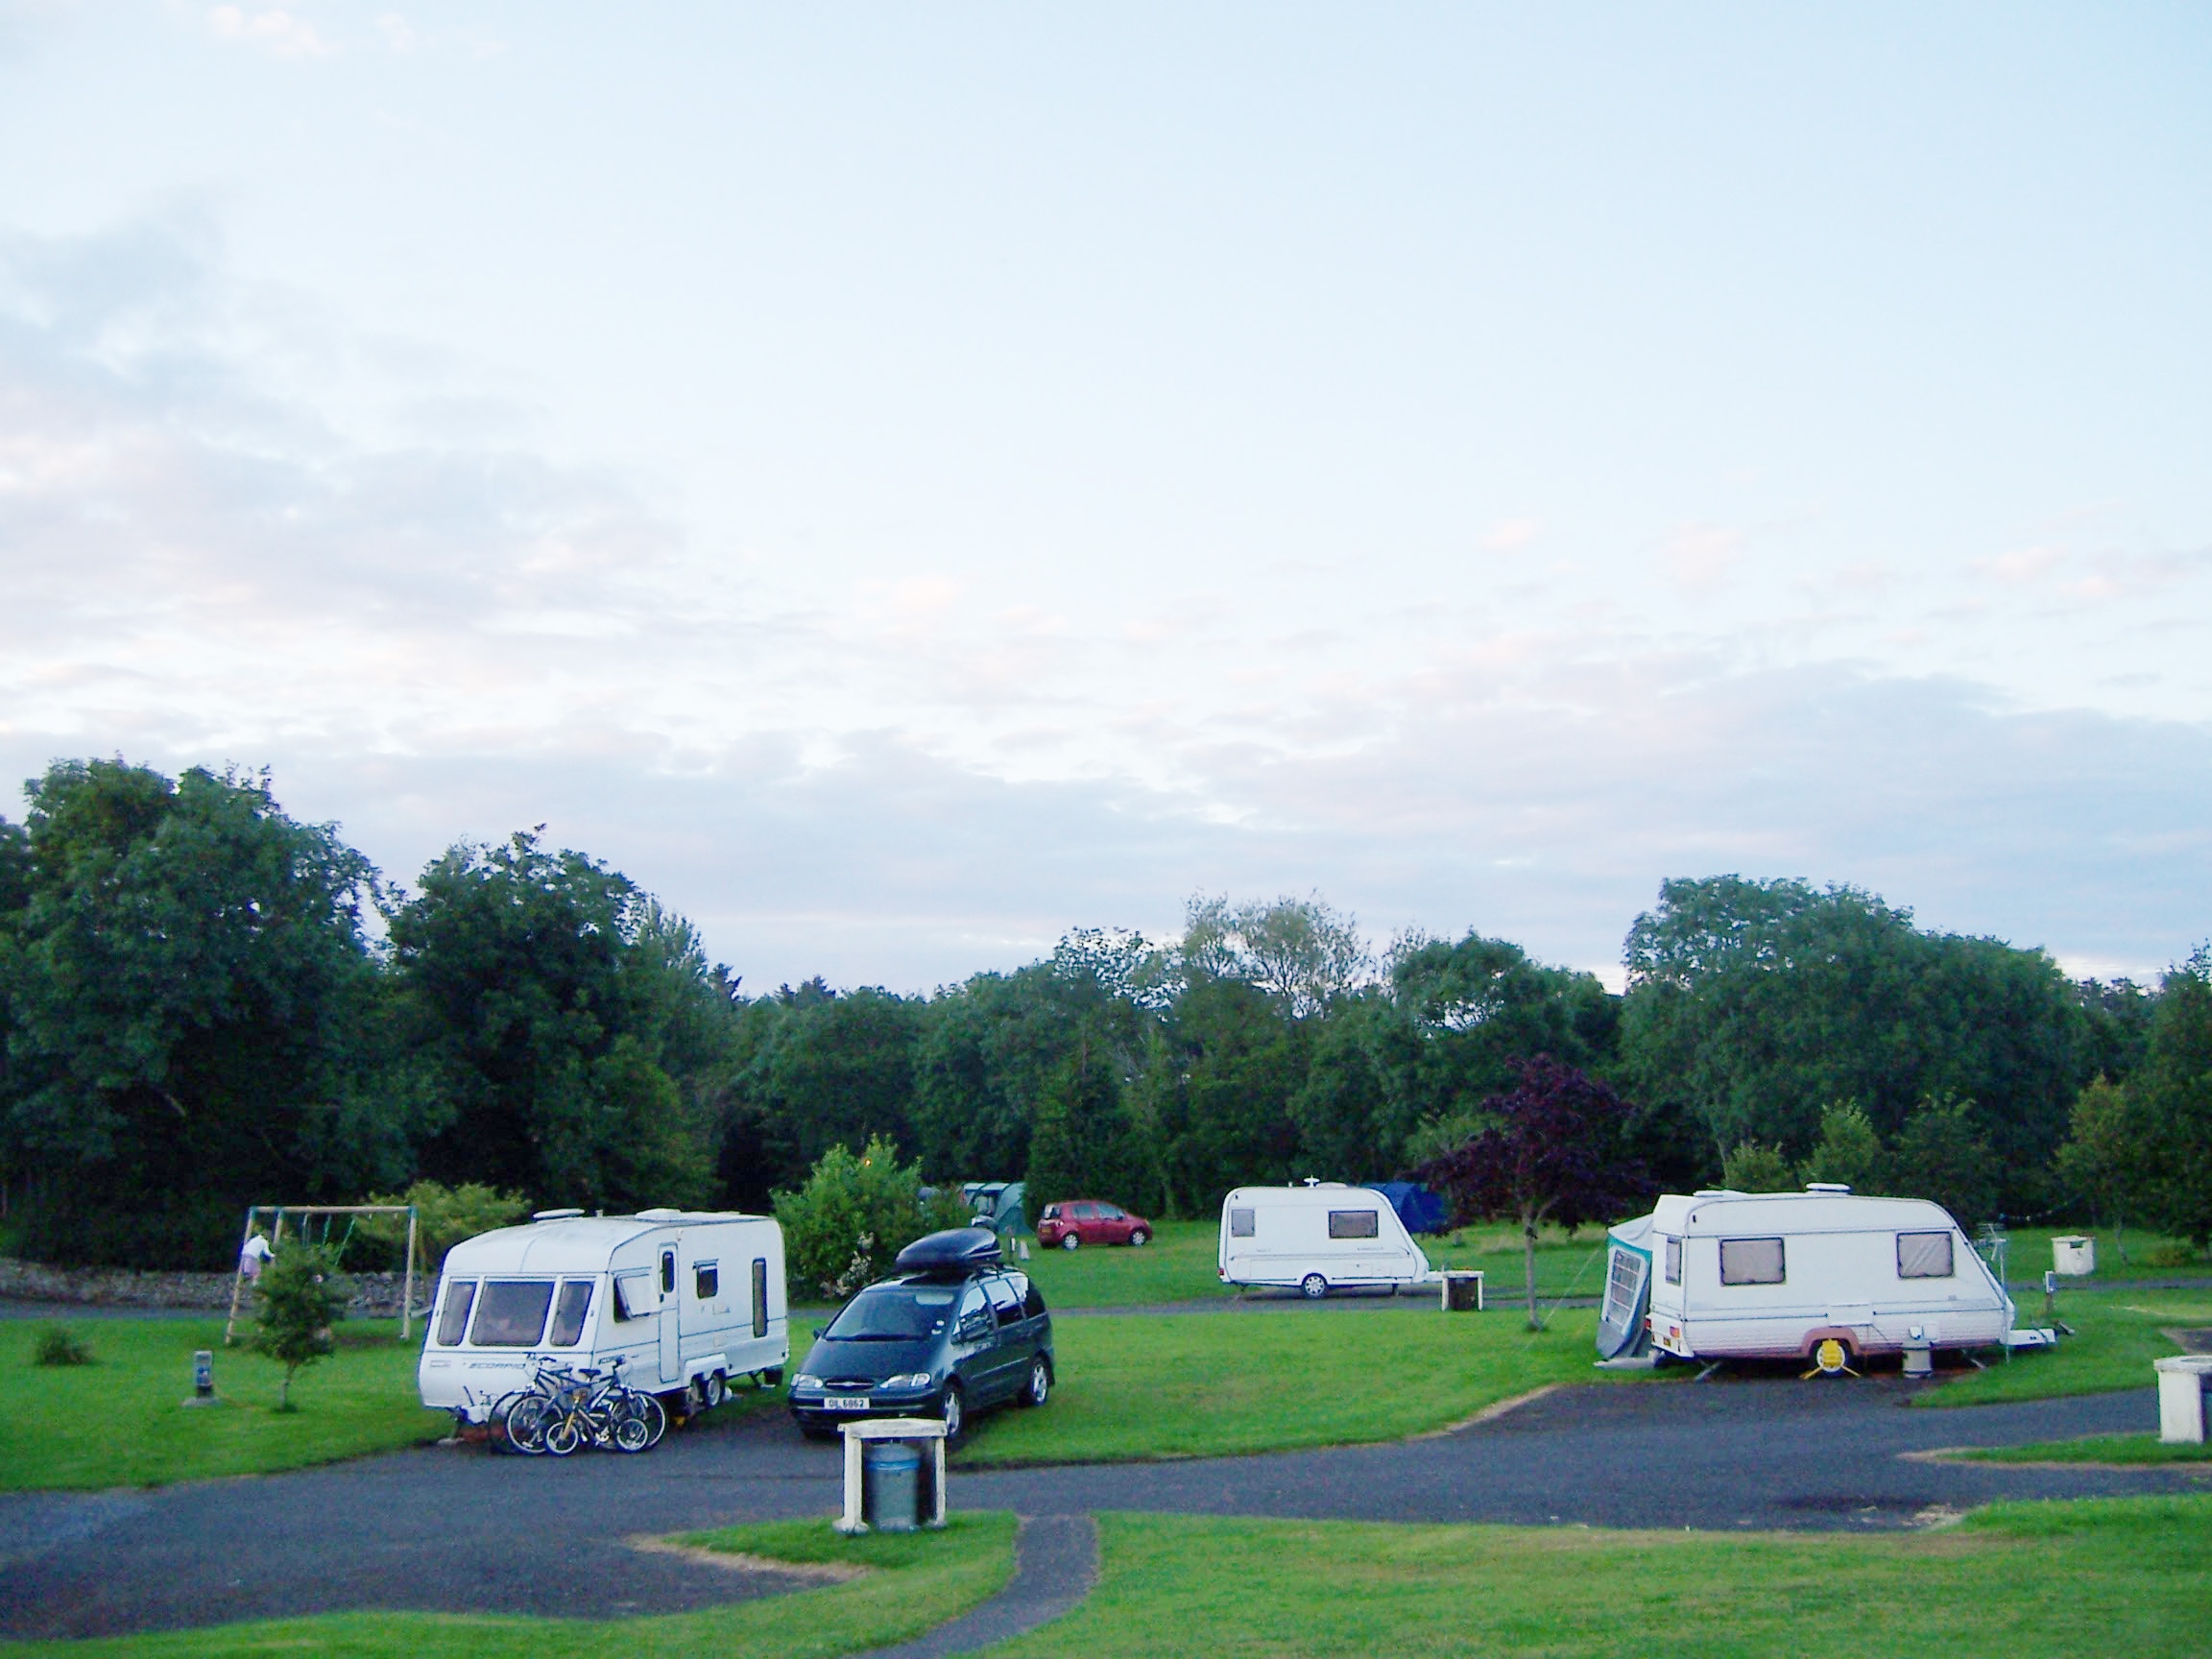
<point>2181,1398</point>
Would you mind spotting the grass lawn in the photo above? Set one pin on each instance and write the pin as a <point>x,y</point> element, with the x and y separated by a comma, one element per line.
<point>2117,1335</point>
<point>2094,1448</point>
<point>2131,1575</point>
<point>913,1584</point>
<point>2030,1257</point>
<point>118,1422</point>
<point>1199,1384</point>
<point>1179,1265</point>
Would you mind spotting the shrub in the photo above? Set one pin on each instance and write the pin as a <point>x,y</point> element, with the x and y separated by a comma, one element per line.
<point>298,1298</point>
<point>57,1345</point>
<point>1751,1167</point>
<point>852,1217</point>
<point>2180,1254</point>
<point>445,1216</point>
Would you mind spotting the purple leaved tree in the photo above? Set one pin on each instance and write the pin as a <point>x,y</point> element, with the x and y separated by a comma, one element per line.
<point>1555,1150</point>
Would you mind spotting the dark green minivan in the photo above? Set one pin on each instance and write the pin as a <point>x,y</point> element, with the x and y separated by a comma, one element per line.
<point>956,1331</point>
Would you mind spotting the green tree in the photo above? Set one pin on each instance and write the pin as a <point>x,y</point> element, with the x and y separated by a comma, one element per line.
<point>2174,1086</point>
<point>545,1000</point>
<point>1084,1142</point>
<point>1751,1167</point>
<point>855,1213</point>
<point>444,1216</point>
<point>188,992</point>
<point>1754,1005</point>
<point>2111,1157</point>
<point>299,1297</point>
<point>1943,1152</point>
<point>833,1069</point>
<point>1849,1149</point>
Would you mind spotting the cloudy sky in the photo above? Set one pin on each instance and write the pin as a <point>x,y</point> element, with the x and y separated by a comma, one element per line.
<point>901,481</point>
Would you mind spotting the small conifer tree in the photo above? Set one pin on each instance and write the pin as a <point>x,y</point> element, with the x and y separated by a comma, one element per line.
<point>299,1297</point>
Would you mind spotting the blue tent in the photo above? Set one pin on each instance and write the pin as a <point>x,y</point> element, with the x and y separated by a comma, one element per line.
<point>1420,1208</point>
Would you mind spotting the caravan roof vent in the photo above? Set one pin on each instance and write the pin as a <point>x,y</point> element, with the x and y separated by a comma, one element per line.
<point>1827,1187</point>
<point>556,1214</point>
<point>660,1213</point>
<point>955,1249</point>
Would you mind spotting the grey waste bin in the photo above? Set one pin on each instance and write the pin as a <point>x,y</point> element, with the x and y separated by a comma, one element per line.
<point>891,1481</point>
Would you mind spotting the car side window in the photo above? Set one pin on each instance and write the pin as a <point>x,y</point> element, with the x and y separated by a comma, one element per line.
<point>1085,1212</point>
<point>1111,1213</point>
<point>971,1302</point>
<point>1005,1302</point>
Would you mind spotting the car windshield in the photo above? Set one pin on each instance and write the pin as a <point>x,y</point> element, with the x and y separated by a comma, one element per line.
<point>894,1313</point>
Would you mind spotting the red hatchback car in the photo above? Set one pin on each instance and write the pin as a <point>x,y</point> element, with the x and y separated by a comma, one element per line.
<point>1080,1221</point>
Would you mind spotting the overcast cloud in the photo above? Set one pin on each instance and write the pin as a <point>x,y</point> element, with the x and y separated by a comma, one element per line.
<point>1035,516</point>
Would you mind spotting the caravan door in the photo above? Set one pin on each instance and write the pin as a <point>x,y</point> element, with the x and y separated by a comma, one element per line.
<point>671,1314</point>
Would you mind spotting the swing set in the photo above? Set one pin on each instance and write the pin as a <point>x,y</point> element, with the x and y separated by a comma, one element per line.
<point>305,1216</point>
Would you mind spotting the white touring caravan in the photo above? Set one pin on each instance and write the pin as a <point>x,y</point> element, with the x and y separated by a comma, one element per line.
<point>1319,1237</point>
<point>684,1301</point>
<point>1723,1275</point>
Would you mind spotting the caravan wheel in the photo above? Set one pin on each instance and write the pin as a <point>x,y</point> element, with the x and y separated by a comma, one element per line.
<point>1314,1287</point>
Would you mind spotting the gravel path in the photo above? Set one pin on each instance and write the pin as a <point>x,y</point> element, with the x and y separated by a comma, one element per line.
<point>458,1528</point>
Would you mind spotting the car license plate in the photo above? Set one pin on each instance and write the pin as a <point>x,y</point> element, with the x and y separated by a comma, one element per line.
<point>845,1403</point>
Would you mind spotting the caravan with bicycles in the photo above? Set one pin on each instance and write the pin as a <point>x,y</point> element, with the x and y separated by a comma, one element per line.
<point>680,1304</point>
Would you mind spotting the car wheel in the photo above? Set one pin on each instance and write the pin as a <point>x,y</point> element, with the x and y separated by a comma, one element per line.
<point>1140,1238</point>
<point>1071,1242</point>
<point>1040,1387</point>
<point>955,1411</point>
<point>1314,1287</point>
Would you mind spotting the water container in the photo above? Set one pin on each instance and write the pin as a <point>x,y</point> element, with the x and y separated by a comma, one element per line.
<point>2074,1255</point>
<point>891,1486</point>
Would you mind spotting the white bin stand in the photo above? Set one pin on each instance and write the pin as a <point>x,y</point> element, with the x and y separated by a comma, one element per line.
<point>1461,1277</point>
<point>2073,1256</point>
<point>2181,1398</point>
<point>867,1429</point>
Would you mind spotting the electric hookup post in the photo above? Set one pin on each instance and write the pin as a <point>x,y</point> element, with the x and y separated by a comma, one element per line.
<point>202,1379</point>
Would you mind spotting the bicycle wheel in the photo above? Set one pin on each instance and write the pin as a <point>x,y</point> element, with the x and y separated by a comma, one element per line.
<point>632,1430</point>
<point>655,1418</point>
<point>527,1421</point>
<point>564,1434</point>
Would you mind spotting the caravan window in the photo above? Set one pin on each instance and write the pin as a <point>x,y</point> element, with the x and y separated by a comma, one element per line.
<point>460,1295</point>
<point>633,1297</point>
<point>1239,1223</point>
<point>1355,1224</point>
<point>760,1295</point>
<point>512,1313</point>
<point>568,1313</point>
<point>706,1280</point>
<point>1924,1256</point>
<point>1674,1261</point>
<point>1751,1262</point>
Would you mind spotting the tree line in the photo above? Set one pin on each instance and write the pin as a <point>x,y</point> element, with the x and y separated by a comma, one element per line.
<point>206,1003</point>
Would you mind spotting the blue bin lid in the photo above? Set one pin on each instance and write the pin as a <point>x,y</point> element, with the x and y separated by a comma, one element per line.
<point>892,1454</point>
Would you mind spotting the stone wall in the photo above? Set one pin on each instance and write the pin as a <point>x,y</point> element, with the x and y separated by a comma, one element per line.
<point>375,1294</point>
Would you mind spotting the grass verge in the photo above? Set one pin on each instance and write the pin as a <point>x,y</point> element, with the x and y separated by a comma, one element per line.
<point>2129,1449</point>
<point>1200,1384</point>
<point>914,1583</point>
<point>2112,1349</point>
<point>1179,1265</point>
<point>2131,1575</point>
<point>118,1421</point>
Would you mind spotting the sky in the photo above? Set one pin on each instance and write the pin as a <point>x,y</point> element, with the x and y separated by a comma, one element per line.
<point>901,482</point>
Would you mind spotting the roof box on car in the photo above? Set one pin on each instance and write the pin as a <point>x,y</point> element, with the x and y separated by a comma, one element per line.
<point>955,1248</point>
